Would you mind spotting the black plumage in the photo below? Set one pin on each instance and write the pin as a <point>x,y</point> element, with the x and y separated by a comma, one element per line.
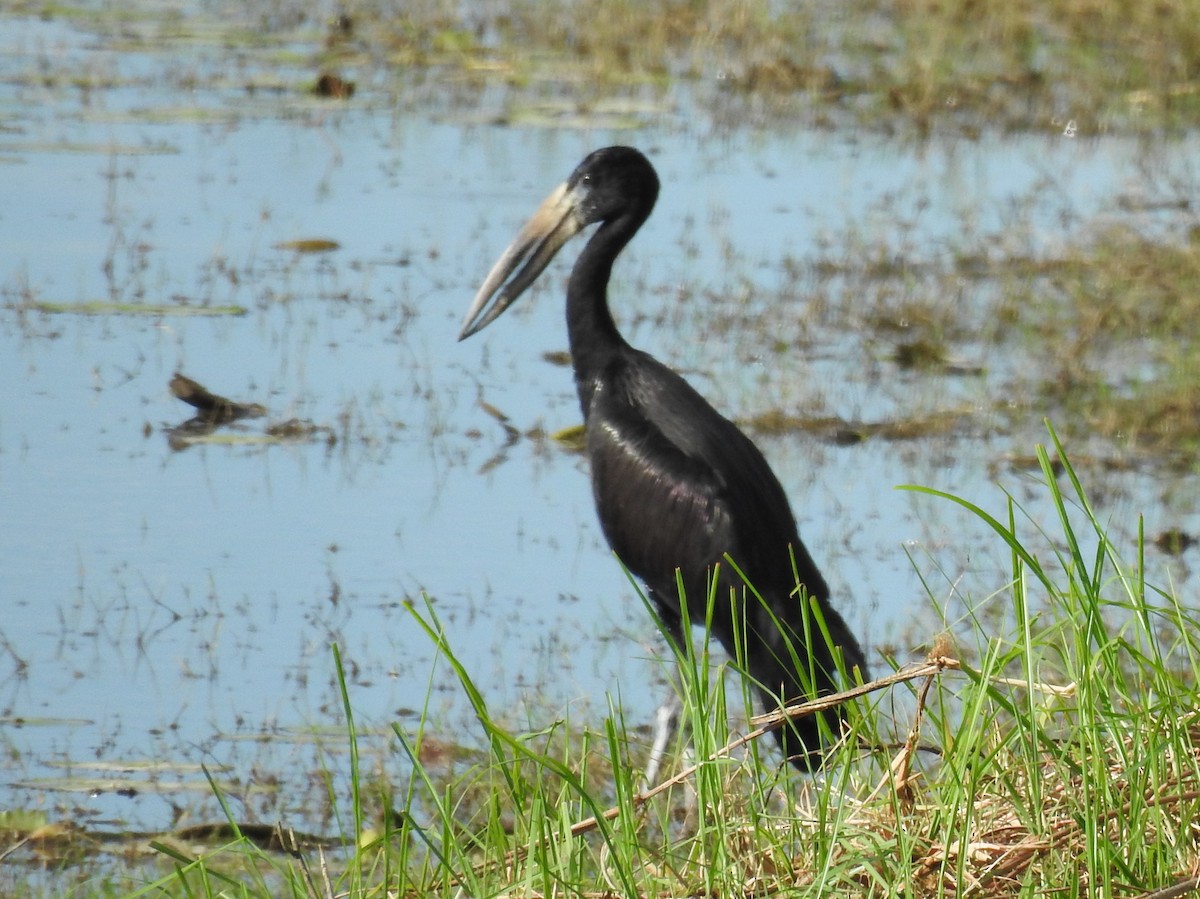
<point>678,487</point>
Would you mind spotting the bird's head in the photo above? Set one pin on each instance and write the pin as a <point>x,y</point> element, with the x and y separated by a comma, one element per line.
<point>608,184</point>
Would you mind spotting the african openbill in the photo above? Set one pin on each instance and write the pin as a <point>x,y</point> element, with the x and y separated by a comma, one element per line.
<point>677,486</point>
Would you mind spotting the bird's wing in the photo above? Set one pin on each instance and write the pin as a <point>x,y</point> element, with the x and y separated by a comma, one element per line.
<point>678,485</point>
<point>660,510</point>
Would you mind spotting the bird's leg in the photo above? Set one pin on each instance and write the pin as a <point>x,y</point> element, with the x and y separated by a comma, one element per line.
<point>666,723</point>
<point>666,719</point>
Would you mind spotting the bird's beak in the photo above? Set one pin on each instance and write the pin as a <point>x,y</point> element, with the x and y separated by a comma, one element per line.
<point>556,221</point>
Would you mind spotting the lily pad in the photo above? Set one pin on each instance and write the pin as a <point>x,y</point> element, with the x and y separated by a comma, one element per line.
<point>33,721</point>
<point>131,765</point>
<point>129,786</point>
<point>309,245</point>
<point>103,307</point>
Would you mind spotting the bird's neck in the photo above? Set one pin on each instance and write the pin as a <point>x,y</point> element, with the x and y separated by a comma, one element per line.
<point>594,339</point>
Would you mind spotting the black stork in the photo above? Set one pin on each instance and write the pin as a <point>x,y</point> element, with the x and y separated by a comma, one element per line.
<point>678,487</point>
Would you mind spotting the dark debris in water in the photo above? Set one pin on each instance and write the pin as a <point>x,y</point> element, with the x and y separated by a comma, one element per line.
<point>333,87</point>
<point>511,435</point>
<point>560,358</point>
<point>928,355</point>
<point>300,429</point>
<point>1174,541</point>
<point>571,439</point>
<point>1030,462</point>
<point>214,411</point>
<point>842,432</point>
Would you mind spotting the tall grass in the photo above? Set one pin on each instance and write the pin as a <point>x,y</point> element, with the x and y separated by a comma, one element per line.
<point>1069,756</point>
<point>1061,760</point>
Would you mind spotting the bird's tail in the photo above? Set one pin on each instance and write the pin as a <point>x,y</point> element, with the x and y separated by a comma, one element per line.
<point>794,657</point>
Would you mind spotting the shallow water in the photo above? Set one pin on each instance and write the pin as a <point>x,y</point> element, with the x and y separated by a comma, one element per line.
<point>179,606</point>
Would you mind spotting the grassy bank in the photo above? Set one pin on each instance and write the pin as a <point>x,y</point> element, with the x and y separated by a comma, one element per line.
<point>1051,750</point>
<point>1099,65</point>
<point>1081,67</point>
